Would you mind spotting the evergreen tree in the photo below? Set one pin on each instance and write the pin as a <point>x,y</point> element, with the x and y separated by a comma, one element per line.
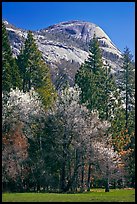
<point>10,73</point>
<point>34,71</point>
<point>127,87</point>
<point>98,87</point>
<point>112,95</point>
<point>88,76</point>
<point>99,91</point>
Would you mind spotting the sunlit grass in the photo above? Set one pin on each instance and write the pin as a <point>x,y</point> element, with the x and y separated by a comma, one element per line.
<point>96,195</point>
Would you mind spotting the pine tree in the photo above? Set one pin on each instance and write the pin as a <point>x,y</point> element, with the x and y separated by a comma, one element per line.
<point>90,78</point>
<point>127,87</point>
<point>34,71</point>
<point>113,101</point>
<point>10,73</point>
<point>99,90</point>
<point>95,81</point>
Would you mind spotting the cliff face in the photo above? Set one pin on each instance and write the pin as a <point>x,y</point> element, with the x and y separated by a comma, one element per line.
<point>65,46</point>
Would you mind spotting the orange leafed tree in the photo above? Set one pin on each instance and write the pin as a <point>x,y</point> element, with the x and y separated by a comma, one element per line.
<point>14,146</point>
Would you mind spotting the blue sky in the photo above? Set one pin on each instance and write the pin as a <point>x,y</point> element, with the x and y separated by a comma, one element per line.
<point>117,19</point>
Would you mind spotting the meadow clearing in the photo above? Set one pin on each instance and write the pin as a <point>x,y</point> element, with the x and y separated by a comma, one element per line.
<point>95,195</point>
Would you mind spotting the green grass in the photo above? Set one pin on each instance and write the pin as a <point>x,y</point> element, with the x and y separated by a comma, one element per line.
<point>96,195</point>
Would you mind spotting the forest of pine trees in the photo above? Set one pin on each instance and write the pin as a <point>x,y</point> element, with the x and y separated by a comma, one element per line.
<point>69,140</point>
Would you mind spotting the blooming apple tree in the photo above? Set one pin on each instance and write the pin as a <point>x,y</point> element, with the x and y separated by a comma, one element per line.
<point>73,130</point>
<point>21,113</point>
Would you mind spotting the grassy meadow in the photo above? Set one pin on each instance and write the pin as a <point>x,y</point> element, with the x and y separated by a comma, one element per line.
<point>95,195</point>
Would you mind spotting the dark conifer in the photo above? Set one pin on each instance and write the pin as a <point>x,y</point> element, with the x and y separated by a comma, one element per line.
<point>10,72</point>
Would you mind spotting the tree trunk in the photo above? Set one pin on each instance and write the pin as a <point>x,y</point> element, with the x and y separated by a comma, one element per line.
<point>82,176</point>
<point>126,111</point>
<point>63,169</point>
<point>114,184</point>
<point>107,185</point>
<point>74,176</point>
<point>62,177</point>
<point>89,176</point>
<point>23,85</point>
<point>29,85</point>
<point>107,178</point>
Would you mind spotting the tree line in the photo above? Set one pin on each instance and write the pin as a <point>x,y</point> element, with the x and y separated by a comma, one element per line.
<point>70,139</point>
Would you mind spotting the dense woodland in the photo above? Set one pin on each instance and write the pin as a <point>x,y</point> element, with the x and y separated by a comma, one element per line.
<point>68,139</point>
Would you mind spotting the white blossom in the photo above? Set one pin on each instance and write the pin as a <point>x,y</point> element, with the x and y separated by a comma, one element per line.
<point>21,107</point>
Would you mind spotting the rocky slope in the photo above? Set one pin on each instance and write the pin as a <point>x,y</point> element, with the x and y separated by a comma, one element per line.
<point>65,46</point>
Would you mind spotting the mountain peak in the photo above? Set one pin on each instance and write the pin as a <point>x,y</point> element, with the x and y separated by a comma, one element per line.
<point>77,29</point>
<point>8,25</point>
<point>75,22</point>
<point>65,45</point>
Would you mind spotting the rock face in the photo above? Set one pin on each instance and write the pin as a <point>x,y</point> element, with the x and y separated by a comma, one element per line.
<point>65,46</point>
